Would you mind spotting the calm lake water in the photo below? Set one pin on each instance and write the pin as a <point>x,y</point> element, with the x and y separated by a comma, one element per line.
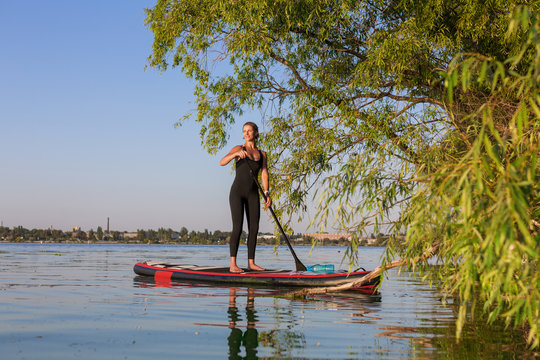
<point>85,302</point>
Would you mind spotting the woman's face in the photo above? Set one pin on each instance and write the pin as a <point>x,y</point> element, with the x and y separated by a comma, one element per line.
<point>249,133</point>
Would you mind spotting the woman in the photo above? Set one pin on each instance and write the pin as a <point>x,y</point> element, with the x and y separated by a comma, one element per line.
<point>244,195</point>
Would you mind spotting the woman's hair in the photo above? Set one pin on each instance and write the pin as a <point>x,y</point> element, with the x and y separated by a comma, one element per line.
<point>254,127</point>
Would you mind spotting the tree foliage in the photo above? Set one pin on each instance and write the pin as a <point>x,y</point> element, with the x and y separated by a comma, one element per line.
<point>418,115</point>
<point>481,206</point>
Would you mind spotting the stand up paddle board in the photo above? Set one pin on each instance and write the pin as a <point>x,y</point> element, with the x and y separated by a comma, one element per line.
<point>162,271</point>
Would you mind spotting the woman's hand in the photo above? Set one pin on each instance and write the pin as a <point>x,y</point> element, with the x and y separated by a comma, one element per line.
<point>242,154</point>
<point>236,152</point>
<point>268,201</point>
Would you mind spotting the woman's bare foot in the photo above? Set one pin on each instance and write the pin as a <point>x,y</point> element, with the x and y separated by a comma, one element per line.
<point>233,267</point>
<point>256,268</point>
<point>253,267</point>
<point>236,270</point>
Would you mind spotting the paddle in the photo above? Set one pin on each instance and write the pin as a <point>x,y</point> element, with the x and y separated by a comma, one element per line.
<point>299,265</point>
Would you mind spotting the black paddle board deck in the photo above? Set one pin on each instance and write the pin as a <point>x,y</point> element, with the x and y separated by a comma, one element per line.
<point>163,271</point>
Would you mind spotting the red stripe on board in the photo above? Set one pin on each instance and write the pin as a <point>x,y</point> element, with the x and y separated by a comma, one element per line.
<point>163,275</point>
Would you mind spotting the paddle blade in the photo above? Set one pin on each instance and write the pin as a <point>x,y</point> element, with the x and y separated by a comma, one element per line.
<point>300,266</point>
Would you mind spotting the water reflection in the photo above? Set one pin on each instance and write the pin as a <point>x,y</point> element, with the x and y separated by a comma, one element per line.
<point>249,339</point>
<point>247,333</point>
<point>260,319</point>
<point>254,323</point>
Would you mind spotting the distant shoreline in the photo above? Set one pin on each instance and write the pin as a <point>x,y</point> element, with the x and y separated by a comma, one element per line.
<point>224,243</point>
<point>164,236</point>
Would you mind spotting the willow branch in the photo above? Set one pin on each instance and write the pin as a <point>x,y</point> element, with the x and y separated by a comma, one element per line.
<point>366,279</point>
<point>292,68</point>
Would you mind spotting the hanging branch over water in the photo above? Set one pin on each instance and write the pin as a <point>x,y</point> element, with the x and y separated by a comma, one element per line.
<point>366,279</point>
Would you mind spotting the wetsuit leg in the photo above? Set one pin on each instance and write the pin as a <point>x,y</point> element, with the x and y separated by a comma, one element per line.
<point>253,213</point>
<point>237,212</point>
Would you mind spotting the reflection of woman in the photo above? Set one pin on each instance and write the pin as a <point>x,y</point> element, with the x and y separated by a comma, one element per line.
<point>250,338</point>
<point>244,196</point>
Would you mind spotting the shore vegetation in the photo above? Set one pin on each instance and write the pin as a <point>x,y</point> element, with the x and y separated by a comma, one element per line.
<point>19,234</point>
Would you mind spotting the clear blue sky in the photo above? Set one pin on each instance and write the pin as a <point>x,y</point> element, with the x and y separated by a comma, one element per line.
<point>87,133</point>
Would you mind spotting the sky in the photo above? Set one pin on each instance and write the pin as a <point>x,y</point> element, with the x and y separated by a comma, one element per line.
<point>87,133</point>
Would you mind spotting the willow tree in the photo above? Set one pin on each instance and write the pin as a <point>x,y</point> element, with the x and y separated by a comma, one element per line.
<point>418,115</point>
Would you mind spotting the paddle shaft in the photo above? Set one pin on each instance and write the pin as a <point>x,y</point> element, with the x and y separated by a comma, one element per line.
<point>299,265</point>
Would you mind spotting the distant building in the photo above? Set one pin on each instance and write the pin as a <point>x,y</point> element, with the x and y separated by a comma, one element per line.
<point>323,236</point>
<point>348,237</point>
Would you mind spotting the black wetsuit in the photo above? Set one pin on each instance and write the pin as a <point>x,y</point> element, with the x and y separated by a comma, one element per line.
<point>244,196</point>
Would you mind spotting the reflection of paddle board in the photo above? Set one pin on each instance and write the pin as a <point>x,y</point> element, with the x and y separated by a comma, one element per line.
<point>162,271</point>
